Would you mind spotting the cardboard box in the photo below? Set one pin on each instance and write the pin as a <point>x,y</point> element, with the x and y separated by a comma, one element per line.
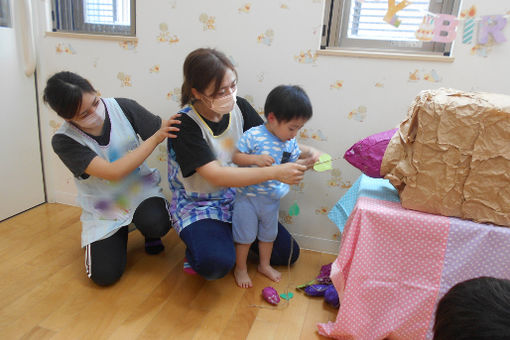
<point>451,155</point>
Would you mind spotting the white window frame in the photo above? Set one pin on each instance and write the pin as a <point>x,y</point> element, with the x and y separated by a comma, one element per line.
<point>336,26</point>
<point>69,16</point>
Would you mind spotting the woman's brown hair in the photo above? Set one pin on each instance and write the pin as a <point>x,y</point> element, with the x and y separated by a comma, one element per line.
<point>201,67</point>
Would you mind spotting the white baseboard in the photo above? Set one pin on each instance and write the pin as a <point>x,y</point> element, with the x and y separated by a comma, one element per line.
<point>65,198</point>
<point>321,245</point>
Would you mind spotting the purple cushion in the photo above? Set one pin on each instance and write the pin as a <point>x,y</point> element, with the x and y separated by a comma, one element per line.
<point>367,154</point>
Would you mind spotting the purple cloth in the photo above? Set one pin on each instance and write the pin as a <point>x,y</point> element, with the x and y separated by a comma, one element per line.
<point>316,290</point>
<point>331,297</point>
<point>367,154</point>
<point>473,251</point>
<point>323,276</point>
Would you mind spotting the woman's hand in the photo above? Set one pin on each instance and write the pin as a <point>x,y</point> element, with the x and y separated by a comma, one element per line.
<point>166,127</point>
<point>123,166</point>
<point>290,173</point>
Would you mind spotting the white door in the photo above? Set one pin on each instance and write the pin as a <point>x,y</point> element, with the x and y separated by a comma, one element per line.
<point>21,176</point>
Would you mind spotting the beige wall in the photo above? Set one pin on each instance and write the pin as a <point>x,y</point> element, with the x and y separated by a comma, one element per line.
<point>352,97</point>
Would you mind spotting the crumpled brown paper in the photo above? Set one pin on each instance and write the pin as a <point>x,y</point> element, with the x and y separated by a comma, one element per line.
<point>451,155</point>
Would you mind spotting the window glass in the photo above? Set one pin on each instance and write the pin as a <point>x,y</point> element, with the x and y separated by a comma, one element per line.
<point>95,16</point>
<point>370,25</point>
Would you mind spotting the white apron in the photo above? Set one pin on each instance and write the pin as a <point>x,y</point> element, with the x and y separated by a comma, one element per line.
<point>193,198</point>
<point>109,205</point>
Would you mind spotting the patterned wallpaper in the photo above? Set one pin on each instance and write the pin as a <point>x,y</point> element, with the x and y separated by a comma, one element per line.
<point>270,43</point>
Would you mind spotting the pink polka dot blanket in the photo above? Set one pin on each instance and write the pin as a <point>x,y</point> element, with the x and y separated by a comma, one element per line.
<point>395,264</point>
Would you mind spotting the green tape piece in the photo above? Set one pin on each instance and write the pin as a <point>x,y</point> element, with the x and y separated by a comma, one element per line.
<point>294,209</point>
<point>288,296</point>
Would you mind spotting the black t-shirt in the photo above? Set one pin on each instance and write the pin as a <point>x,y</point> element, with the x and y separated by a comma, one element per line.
<point>77,157</point>
<point>192,151</point>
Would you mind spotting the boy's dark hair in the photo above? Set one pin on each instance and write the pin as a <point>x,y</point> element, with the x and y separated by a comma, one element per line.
<point>288,102</point>
<point>201,67</point>
<point>64,92</point>
<point>476,309</point>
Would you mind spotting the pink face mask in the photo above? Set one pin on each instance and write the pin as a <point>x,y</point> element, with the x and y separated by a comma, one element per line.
<point>94,119</point>
<point>224,104</point>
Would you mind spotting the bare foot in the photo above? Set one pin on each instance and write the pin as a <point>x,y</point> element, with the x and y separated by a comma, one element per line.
<point>242,278</point>
<point>270,272</point>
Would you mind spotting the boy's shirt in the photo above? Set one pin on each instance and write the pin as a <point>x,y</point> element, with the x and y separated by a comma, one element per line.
<point>259,141</point>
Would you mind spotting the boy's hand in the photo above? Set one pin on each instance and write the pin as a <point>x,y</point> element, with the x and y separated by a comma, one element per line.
<point>166,127</point>
<point>309,157</point>
<point>264,160</point>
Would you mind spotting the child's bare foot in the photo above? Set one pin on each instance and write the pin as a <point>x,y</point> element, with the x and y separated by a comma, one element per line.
<point>270,272</point>
<point>242,278</point>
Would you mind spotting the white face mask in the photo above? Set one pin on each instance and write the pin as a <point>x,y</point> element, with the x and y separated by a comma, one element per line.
<point>224,104</point>
<point>94,119</point>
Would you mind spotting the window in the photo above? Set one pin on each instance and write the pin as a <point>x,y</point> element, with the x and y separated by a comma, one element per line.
<point>360,25</point>
<point>5,14</point>
<point>94,16</point>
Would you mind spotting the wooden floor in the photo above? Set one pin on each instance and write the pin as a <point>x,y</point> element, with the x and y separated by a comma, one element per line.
<point>45,293</point>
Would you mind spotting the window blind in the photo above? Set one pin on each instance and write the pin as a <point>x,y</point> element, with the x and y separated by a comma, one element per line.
<point>366,20</point>
<point>95,16</point>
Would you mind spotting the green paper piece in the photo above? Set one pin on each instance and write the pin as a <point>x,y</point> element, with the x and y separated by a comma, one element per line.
<point>323,164</point>
<point>288,296</point>
<point>294,209</point>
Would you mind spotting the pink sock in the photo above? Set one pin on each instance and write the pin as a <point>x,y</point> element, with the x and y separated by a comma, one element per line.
<point>187,268</point>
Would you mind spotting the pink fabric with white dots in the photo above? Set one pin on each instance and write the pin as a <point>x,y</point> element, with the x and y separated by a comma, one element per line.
<point>388,272</point>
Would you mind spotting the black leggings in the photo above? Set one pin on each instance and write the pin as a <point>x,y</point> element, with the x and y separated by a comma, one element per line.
<point>105,260</point>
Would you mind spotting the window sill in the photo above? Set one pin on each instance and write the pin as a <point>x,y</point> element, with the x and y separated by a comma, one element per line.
<point>384,55</point>
<point>92,36</point>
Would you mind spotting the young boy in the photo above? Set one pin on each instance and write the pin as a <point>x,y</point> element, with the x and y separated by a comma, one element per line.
<point>474,309</point>
<point>255,215</point>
